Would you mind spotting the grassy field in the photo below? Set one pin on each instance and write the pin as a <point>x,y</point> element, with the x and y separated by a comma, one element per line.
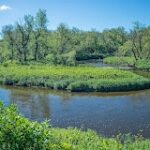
<point>18,133</point>
<point>72,78</point>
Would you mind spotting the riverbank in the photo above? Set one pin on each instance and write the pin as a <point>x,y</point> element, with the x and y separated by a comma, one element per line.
<point>119,61</point>
<point>74,79</point>
<point>128,61</point>
<point>19,133</point>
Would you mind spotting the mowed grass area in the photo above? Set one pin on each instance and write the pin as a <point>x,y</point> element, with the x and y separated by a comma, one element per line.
<point>18,133</point>
<point>72,78</point>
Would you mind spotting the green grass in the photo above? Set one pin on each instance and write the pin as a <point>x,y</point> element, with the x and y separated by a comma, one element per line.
<point>72,78</point>
<point>18,133</point>
<point>128,61</point>
<point>121,61</point>
<point>143,65</point>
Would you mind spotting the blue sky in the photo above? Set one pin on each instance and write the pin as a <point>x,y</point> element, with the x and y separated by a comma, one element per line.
<point>84,14</point>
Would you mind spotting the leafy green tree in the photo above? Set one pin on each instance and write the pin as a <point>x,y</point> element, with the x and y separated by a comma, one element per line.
<point>9,36</point>
<point>40,34</point>
<point>23,37</point>
<point>4,52</point>
<point>63,37</point>
<point>112,39</point>
<point>139,39</point>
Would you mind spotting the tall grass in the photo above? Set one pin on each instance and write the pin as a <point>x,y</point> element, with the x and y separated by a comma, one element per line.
<point>72,78</point>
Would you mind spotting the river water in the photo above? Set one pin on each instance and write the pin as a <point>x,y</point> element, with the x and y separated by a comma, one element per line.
<point>106,113</point>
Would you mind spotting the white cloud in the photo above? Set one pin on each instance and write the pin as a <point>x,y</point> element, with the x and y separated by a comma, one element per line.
<point>4,7</point>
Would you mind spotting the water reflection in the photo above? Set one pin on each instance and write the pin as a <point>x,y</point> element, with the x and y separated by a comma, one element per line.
<point>106,113</point>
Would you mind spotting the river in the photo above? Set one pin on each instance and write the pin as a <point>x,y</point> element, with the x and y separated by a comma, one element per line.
<point>106,113</point>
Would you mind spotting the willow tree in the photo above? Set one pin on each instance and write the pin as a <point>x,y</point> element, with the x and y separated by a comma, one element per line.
<point>40,34</point>
<point>23,37</point>
<point>10,37</point>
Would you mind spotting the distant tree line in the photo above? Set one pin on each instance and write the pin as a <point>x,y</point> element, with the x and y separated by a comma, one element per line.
<point>30,40</point>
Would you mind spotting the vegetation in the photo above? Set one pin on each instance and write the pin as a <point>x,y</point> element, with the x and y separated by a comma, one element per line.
<point>72,78</point>
<point>120,61</point>
<point>31,40</point>
<point>143,64</point>
<point>18,133</point>
<point>33,55</point>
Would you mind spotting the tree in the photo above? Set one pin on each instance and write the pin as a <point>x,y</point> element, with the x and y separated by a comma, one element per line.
<point>4,52</point>
<point>9,36</point>
<point>63,37</point>
<point>112,39</point>
<point>138,36</point>
<point>23,36</point>
<point>40,34</point>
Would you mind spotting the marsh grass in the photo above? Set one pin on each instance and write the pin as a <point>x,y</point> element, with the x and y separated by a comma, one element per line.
<point>72,78</point>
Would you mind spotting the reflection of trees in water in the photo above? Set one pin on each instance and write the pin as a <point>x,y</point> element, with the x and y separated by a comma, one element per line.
<point>34,105</point>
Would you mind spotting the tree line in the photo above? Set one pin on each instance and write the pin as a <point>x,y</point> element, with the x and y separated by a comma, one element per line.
<point>31,40</point>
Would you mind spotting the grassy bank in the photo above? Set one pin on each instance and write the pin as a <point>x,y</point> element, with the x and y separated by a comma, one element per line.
<point>121,61</point>
<point>128,61</point>
<point>143,65</point>
<point>72,78</point>
<point>18,133</point>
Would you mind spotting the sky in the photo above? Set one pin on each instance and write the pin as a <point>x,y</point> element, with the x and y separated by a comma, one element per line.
<point>83,14</point>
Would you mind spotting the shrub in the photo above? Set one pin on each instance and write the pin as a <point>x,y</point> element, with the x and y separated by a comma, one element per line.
<point>18,133</point>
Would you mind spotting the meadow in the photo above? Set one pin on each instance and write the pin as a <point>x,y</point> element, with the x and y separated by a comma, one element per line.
<point>74,79</point>
<point>18,133</point>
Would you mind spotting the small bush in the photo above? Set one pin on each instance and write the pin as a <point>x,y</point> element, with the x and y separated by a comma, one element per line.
<point>18,133</point>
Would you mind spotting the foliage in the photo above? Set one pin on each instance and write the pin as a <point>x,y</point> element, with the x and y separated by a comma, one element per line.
<point>72,78</point>
<point>137,43</point>
<point>4,53</point>
<point>64,59</point>
<point>18,133</point>
<point>32,40</point>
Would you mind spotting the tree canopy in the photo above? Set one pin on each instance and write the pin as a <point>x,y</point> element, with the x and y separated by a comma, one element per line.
<point>31,40</point>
